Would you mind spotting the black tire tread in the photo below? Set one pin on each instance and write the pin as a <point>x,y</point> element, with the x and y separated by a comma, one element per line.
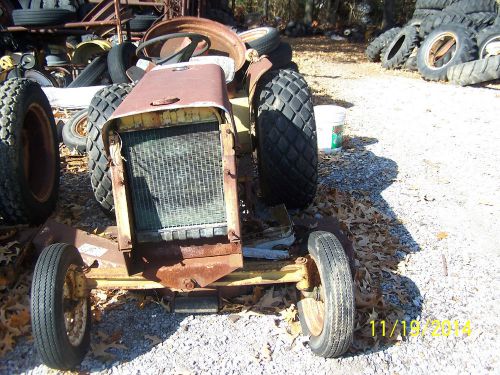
<point>142,22</point>
<point>476,6</point>
<point>431,23</point>
<point>91,74</point>
<point>266,43</point>
<point>474,72</point>
<point>281,56</point>
<point>482,20</point>
<point>336,278</point>
<point>13,207</point>
<point>375,49</point>
<point>486,34</point>
<point>411,41</point>
<point>101,108</point>
<point>42,17</point>
<point>119,60</point>
<point>434,4</point>
<point>52,346</point>
<point>287,148</point>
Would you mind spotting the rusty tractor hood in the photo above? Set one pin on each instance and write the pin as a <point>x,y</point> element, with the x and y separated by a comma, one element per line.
<point>165,88</point>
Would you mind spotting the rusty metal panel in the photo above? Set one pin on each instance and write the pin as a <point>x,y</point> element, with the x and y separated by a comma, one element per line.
<point>254,73</point>
<point>120,196</point>
<point>230,183</point>
<point>165,88</point>
<point>207,247</point>
<point>91,247</point>
<point>223,41</point>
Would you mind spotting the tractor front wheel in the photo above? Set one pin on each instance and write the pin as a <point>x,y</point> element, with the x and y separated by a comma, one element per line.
<point>60,307</point>
<point>326,310</point>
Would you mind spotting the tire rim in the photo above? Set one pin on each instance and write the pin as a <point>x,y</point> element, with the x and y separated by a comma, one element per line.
<point>249,36</point>
<point>39,157</point>
<point>75,309</point>
<point>313,304</point>
<point>484,51</point>
<point>439,47</point>
<point>81,126</point>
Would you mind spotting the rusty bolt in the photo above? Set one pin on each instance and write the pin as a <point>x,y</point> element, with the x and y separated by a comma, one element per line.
<point>301,260</point>
<point>228,131</point>
<point>188,284</point>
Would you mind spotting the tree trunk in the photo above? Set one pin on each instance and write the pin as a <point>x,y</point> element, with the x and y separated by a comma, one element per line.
<point>333,11</point>
<point>389,14</point>
<point>266,8</point>
<point>308,11</point>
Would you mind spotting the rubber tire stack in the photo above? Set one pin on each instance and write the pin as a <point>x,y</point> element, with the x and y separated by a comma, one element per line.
<point>474,23</point>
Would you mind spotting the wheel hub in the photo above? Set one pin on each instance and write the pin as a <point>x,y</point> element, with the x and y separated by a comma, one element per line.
<point>313,301</point>
<point>74,306</point>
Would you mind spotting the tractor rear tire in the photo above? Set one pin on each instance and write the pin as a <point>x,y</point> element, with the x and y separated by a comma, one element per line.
<point>401,48</point>
<point>281,56</point>
<point>100,110</point>
<point>474,72</point>
<point>287,150</point>
<point>377,47</point>
<point>465,50</point>
<point>29,153</point>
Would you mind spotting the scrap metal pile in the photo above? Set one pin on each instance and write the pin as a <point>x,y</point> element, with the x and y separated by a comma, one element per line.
<point>447,40</point>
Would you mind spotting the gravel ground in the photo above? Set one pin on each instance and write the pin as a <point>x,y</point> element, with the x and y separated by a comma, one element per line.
<point>427,155</point>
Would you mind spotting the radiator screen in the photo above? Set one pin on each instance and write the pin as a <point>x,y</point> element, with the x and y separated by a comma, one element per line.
<point>175,179</point>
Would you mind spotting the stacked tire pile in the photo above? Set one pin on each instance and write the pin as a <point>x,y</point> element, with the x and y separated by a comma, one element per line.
<point>454,40</point>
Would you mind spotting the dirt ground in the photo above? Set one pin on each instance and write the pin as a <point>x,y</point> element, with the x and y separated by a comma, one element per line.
<point>416,189</point>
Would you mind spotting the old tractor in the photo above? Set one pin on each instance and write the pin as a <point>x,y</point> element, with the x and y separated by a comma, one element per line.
<point>199,160</point>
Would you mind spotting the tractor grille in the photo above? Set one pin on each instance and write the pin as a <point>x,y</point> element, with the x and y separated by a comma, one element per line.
<point>176,181</point>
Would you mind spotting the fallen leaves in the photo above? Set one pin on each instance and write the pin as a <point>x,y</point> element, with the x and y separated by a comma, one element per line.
<point>100,349</point>
<point>9,253</point>
<point>442,235</point>
<point>14,313</point>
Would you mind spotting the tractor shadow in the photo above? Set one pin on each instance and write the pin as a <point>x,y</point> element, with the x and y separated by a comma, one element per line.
<point>356,177</point>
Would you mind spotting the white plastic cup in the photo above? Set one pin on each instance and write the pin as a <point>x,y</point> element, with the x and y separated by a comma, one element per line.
<point>330,121</point>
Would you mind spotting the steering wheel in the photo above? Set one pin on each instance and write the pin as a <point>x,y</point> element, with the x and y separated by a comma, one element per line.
<point>176,57</point>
